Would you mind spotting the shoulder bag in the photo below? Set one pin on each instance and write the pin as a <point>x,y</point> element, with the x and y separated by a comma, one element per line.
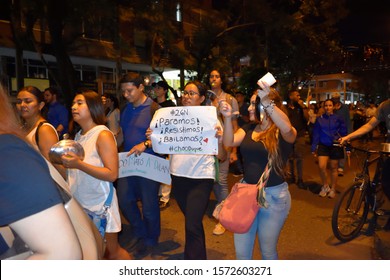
<point>238,211</point>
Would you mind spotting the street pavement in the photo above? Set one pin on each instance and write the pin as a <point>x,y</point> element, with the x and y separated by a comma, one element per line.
<point>307,234</point>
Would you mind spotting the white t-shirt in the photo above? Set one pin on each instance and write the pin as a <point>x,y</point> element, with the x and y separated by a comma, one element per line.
<point>193,166</point>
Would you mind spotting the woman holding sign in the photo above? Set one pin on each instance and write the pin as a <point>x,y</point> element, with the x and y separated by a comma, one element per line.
<point>270,136</point>
<point>192,181</point>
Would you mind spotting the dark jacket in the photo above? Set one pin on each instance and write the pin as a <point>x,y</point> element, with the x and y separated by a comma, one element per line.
<point>328,129</point>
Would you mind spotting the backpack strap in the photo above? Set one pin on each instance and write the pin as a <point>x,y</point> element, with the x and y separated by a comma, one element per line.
<point>37,132</point>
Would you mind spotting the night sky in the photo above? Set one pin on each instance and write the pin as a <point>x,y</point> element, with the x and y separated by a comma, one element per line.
<point>368,22</point>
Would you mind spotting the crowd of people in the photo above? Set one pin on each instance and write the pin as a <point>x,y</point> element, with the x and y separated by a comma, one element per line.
<point>252,136</point>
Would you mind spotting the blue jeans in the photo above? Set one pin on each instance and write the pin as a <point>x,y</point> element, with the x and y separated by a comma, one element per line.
<point>146,225</point>
<point>267,224</point>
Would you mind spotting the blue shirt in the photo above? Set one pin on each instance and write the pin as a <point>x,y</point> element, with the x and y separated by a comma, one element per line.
<point>58,114</point>
<point>134,122</point>
<point>26,187</point>
<point>327,129</point>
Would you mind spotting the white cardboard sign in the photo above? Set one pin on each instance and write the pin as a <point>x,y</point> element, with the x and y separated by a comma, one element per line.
<point>185,130</point>
<point>145,165</point>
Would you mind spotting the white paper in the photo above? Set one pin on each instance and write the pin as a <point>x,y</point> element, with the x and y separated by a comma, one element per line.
<point>185,130</point>
<point>146,166</point>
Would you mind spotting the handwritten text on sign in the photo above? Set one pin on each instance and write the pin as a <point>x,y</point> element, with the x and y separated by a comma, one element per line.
<point>145,165</point>
<point>185,130</point>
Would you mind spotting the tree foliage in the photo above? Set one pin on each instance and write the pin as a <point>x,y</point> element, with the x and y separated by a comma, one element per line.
<point>291,38</point>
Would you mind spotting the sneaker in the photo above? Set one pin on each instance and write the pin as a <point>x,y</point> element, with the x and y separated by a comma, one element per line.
<point>331,193</point>
<point>324,191</point>
<point>340,172</point>
<point>219,229</point>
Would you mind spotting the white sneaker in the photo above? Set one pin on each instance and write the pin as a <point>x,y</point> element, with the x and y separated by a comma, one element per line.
<point>219,229</point>
<point>332,193</point>
<point>324,191</point>
<point>340,172</point>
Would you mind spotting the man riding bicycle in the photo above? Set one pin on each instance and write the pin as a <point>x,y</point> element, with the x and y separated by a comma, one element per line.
<point>382,114</point>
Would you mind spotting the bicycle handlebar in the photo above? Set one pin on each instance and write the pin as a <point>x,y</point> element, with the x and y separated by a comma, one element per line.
<point>349,146</point>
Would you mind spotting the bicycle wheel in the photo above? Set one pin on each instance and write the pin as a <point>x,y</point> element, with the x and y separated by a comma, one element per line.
<point>350,212</point>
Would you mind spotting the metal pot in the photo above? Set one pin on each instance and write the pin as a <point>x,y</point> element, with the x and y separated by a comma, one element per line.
<point>63,147</point>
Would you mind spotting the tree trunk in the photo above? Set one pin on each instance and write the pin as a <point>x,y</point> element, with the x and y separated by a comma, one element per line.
<point>66,73</point>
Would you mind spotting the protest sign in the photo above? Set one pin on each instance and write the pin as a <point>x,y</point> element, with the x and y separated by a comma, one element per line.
<point>185,130</point>
<point>145,165</point>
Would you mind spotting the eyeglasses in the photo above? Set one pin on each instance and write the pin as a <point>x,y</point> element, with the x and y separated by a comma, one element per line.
<point>190,93</point>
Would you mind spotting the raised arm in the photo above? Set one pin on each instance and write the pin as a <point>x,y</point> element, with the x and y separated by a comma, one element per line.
<point>279,118</point>
<point>230,138</point>
<point>361,131</point>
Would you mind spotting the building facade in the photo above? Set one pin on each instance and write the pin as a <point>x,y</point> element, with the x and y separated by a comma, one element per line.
<point>94,56</point>
<point>323,86</point>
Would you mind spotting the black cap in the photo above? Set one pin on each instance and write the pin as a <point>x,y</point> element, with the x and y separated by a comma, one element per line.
<point>161,84</point>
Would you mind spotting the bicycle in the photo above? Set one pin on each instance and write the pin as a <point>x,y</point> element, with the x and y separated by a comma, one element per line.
<point>363,196</point>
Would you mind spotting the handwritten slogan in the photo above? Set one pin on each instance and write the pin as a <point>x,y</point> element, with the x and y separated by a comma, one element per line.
<point>185,130</point>
<point>146,166</point>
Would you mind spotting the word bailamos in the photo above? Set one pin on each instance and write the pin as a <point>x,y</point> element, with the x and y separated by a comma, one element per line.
<point>170,139</point>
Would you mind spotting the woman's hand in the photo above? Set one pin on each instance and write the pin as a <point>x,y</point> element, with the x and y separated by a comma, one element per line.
<point>218,133</point>
<point>70,160</point>
<point>225,109</point>
<point>264,89</point>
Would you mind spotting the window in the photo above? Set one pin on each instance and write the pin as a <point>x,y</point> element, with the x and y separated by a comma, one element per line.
<point>86,73</point>
<point>35,69</point>
<point>107,74</point>
<point>322,84</point>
